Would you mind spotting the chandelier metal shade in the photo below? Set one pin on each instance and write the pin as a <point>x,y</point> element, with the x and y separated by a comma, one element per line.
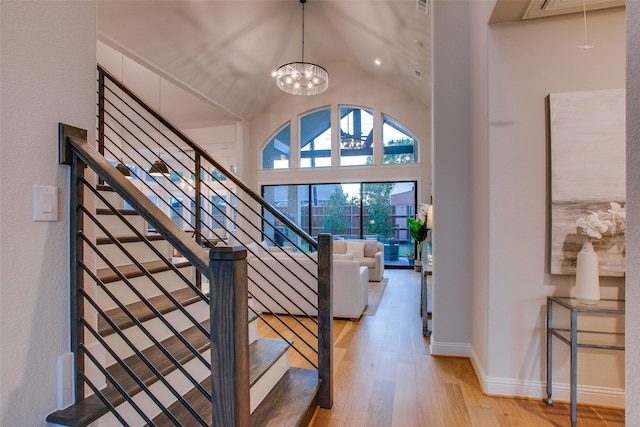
<point>159,168</point>
<point>302,78</point>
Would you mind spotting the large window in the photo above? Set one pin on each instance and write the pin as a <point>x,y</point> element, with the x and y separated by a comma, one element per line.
<point>357,140</point>
<point>315,139</point>
<point>276,154</point>
<point>399,146</point>
<point>376,211</point>
<point>356,136</point>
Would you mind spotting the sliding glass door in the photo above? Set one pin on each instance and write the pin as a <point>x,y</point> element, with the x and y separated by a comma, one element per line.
<point>374,210</point>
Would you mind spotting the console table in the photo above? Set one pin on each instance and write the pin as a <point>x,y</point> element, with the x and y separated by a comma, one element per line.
<point>425,313</point>
<point>576,338</point>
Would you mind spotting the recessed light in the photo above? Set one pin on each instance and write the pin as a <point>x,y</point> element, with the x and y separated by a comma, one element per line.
<point>377,61</point>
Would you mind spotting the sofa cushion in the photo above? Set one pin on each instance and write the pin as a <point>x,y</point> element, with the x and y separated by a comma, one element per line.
<point>356,248</point>
<point>339,246</point>
<point>366,262</point>
<point>370,248</point>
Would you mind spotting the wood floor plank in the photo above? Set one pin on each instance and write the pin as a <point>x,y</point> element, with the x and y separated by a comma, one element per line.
<point>412,388</point>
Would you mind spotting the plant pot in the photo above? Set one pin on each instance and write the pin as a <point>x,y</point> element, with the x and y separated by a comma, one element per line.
<point>418,266</point>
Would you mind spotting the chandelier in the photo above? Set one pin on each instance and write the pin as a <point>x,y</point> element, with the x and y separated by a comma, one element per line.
<point>350,143</point>
<point>302,78</point>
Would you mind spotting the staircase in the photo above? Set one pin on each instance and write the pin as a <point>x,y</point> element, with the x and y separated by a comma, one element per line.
<point>162,327</point>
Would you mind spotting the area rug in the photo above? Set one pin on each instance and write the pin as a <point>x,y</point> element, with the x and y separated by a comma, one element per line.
<point>376,291</point>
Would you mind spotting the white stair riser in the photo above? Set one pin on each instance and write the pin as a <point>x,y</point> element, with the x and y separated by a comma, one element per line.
<point>139,250</point>
<point>199,311</point>
<point>180,383</point>
<point>177,380</point>
<point>253,331</point>
<point>169,280</point>
<point>269,379</point>
<point>118,228</point>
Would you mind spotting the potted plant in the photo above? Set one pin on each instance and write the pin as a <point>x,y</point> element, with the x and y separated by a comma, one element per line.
<point>410,257</point>
<point>419,231</point>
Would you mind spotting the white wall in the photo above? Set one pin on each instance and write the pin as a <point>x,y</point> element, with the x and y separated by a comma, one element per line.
<point>452,181</point>
<point>527,61</point>
<point>633,208</point>
<point>48,59</point>
<point>353,87</point>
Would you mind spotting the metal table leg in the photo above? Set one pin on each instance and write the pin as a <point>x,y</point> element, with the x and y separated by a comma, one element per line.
<point>574,366</point>
<point>549,351</point>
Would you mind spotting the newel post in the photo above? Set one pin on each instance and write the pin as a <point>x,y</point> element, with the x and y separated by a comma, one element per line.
<point>325,320</point>
<point>229,336</point>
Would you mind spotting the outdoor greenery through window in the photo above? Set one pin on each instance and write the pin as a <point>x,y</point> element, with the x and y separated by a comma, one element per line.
<point>399,145</point>
<point>376,211</point>
<point>356,136</point>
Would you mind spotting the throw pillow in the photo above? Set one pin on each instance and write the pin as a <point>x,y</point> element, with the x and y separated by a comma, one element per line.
<point>355,248</point>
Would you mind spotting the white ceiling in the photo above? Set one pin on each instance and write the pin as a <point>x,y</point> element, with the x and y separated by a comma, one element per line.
<point>225,51</point>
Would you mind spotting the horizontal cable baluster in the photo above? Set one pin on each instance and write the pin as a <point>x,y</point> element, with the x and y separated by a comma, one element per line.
<point>281,293</point>
<point>260,315</point>
<point>116,385</point>
<point>143,300</point>
<point>168,263</point>
<point>133,375</point>
<point>103,399</point>
<point>142,357</point>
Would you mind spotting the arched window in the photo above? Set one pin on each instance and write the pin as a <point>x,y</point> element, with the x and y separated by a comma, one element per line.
<point>356,136</point>
<point>276,154</point>
<point>398,144</point>
<point>315,139</point>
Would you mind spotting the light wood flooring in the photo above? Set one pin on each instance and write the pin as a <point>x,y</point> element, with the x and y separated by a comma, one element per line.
<point>385,376</point>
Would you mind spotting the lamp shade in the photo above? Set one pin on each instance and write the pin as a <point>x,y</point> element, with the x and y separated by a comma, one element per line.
<point>124,170</point>
<point>159,168</point>
<point>430,216</point>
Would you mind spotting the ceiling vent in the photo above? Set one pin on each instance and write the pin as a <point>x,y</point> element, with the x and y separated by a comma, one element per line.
<point>422,6</point>
<point>417,74</point>
<point>544,8</point>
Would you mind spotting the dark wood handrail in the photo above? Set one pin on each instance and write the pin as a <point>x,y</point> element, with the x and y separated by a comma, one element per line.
<point>197,149</point>
<point>149,211</point>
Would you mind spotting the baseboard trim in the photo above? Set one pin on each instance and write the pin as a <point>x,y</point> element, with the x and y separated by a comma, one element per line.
<point>454,349</point>
<point>496,386</point>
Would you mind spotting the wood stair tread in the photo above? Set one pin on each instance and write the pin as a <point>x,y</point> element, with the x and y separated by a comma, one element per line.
<point>140,311</point>
<point>263,353</point>
<point>107,275</point>
<point>92,408</point>
<point>129,239</point>
<point>292,402</point>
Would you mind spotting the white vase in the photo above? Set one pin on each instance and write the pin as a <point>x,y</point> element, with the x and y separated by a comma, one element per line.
<point>587,275</point>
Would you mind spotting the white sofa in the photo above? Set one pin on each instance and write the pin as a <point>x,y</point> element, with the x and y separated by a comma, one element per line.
<point>274,276</point>
<point>369,253</point>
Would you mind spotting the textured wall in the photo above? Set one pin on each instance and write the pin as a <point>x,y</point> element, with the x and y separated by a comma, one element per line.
<point>48,74</point>
<point>633,209</point>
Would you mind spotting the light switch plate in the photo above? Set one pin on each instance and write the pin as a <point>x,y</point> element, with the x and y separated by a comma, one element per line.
<point>45,203</point>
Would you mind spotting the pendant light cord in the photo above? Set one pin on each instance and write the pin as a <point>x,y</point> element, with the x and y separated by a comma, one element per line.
<point>303,2</point>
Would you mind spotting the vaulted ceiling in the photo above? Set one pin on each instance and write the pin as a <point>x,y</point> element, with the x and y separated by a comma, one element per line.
<point>224,51</point>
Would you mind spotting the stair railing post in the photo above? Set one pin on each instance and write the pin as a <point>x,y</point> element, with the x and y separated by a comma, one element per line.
<point>325,320</point>
<point>229,337</point>
<point>197,223</point>
<point>76,248</point>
